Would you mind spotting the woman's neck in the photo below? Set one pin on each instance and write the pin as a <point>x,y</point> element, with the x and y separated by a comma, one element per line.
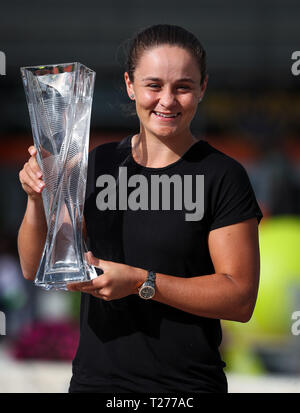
<point>155,152</point>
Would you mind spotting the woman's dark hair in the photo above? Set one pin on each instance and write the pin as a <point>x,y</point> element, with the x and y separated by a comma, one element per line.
<point>161,34</point>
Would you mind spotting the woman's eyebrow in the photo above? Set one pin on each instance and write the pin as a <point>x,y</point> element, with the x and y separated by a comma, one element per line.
<point>186,79</point>
<point>154,79</point>
<point>157,79</point>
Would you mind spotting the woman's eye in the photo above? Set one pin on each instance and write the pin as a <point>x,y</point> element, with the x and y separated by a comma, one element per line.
<point>157,86</point>
<point>154,85</point>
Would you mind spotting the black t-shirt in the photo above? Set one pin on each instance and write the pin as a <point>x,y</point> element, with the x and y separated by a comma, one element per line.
<point>136,345</point>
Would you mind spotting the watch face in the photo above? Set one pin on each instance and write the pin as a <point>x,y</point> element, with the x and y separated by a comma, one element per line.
<point>147,292</point>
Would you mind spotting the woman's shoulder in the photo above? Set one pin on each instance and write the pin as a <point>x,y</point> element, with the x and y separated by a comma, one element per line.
<point>215,159</point>
<point>109,150</point>
<point>111,146</point>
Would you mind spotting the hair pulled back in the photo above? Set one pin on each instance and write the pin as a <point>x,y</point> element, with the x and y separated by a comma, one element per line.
<point>164,34</point>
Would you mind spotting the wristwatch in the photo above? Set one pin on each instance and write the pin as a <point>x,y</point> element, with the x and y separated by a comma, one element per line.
<point>147,289</point>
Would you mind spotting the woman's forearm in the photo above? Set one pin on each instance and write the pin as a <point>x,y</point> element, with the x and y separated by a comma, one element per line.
<point>31,237</point>
<point>213,296</point>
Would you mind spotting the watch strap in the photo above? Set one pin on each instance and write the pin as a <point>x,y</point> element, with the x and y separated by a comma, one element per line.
<point>151,276</point>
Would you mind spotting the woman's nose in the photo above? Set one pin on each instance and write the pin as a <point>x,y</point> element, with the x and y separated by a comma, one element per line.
<point>167,98</point>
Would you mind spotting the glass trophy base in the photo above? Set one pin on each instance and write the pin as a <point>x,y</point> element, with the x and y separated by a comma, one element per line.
<point>59,281</point>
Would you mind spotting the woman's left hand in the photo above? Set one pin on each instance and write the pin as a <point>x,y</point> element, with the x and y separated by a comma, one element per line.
<point>117,280</point>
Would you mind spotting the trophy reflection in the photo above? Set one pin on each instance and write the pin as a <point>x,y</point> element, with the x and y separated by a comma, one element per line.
<point>59,99</point>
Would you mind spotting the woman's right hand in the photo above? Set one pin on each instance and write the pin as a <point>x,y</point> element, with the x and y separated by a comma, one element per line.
<point>31,176</point>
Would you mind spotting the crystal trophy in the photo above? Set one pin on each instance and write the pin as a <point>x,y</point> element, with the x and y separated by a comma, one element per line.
<point>59,99</point>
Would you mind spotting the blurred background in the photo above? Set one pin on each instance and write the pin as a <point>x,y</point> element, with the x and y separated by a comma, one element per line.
<point>251,111</point>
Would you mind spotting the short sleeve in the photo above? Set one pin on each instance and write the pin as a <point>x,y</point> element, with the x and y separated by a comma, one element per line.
<point>233,199</point>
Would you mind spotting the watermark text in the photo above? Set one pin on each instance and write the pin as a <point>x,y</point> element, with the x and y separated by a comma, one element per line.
<point>2,64</point>
<point>295,329</point>
<point>295,68</point>
<point>159,192</point>
<point>2,324</point>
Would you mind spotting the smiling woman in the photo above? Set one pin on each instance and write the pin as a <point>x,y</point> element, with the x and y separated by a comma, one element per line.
<point>151,321</point>
<point>167,85</point>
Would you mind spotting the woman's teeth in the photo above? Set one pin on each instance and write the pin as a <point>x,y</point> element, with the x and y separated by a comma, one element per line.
<point>171,115</point>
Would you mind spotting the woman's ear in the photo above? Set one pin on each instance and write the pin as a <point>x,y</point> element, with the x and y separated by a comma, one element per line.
<point>203,88</point>
<point>129,86</point>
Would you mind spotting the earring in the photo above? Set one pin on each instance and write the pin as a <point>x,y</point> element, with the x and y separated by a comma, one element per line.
<point>132,96</point>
